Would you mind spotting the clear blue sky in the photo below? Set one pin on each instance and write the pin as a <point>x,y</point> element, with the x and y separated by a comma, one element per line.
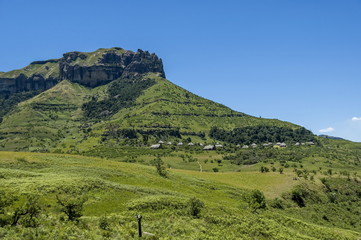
<point>295,60</point>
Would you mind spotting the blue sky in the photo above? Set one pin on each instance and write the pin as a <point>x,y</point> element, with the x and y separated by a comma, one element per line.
<point>295,60</point>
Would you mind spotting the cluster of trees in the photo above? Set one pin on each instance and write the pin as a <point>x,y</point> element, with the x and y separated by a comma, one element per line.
<point>121,94</point>
<point>128,133</point>
<point>261,134</point>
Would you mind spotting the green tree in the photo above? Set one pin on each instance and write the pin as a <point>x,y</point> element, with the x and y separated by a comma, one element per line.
<point>71,206</point>
<point>28,212</point>
<point>6,200</point>
<point>160,167</point>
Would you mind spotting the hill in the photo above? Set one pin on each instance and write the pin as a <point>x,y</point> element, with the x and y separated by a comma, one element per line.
<point>112,193</point>
<point>113,95</point>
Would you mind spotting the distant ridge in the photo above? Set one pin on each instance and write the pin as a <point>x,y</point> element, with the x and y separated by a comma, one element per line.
<point>331,137</point>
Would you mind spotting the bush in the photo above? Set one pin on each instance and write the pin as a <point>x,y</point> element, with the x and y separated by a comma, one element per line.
<point>157,203</point>
<point>6,200</point>
<point>257,200</point>
<point>27,213</point>
<point>159,165</point>
<point>104,223</point>
<point>195,206</point>
<point>277,203</point>
<point>298,197</point>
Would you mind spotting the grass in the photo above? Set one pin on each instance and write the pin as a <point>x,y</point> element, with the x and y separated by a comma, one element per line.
<point>117,190</point>
<point>272,184</point>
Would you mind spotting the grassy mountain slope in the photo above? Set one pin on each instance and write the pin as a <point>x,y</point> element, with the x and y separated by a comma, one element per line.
<point>167,104</point>
<point>117,191</point>
<point>48,69</point>
<point>41,121</point>
<point>55,119</point>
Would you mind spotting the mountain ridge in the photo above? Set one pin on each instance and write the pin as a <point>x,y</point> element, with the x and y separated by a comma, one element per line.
<point>88,68</point>
<point>138,107</point>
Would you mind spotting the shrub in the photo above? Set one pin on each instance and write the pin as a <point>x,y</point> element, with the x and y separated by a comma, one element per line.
<point>6,200</point>
<point>195,206</point>
<point>298,197</point>
<point>159,165</point>
<point>257,200</point>
<point>277,203</point>
<point>28,212</point>
<point>157,203</point>
<point>104,223</point>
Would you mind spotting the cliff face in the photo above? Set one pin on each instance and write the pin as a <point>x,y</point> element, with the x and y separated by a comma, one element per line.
<point>89,69</point>
<point>22,83</point>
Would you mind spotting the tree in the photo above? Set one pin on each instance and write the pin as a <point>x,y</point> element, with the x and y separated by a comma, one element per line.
<point>71,206</point>
<point>159,165</point>
<point>195,206</point>
<point>28,212</point>
<point>6,200</point>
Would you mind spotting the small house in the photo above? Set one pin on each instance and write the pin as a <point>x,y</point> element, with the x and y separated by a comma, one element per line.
<point>209,147</point>
<point>155,146</point>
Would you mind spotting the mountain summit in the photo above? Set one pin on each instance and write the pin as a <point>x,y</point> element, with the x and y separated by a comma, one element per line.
<point>112,97</point>
<point>89,69</point>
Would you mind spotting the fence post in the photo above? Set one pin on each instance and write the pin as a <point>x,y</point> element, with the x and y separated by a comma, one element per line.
<point>139,218</point>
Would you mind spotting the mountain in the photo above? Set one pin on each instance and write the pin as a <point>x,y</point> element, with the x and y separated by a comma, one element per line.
<point>86,100</point>
<point>95,116</point>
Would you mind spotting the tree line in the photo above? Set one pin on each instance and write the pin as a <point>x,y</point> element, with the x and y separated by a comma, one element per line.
<point>261,134</point>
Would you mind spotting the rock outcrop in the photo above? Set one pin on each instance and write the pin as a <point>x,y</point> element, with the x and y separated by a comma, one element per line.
<point>22,83</point>
<point>89,69</point>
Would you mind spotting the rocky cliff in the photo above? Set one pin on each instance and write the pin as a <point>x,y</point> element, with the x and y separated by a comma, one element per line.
<point>89,69</point>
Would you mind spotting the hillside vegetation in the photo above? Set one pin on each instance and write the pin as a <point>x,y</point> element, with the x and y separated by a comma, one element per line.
<point>70,115</point>
<point>182,205</point>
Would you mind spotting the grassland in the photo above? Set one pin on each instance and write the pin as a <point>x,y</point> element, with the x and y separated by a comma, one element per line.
<point>116,191</point>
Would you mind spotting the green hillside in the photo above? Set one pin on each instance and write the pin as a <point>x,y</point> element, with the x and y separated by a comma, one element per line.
<point>70,114</point>
<point>114,192</point>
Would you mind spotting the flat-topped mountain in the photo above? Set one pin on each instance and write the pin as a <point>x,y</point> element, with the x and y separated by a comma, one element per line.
<point>84,101</point>
<point>89,69</point>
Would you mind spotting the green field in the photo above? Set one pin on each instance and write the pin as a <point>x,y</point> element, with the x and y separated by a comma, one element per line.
<point>117,191</point>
